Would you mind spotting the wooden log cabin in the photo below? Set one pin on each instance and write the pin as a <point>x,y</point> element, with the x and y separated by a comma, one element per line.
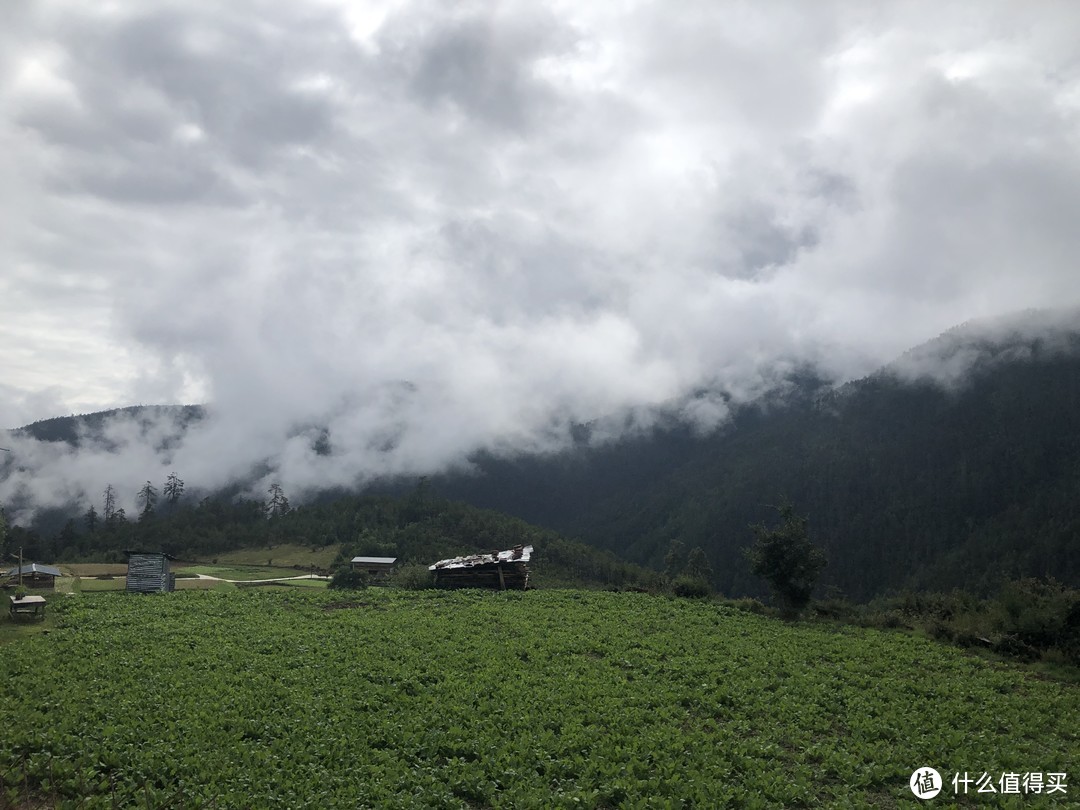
<point>502,570</point>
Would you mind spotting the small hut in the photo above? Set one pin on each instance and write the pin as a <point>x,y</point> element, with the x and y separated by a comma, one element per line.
<point>148,572</point>
<point>504,570</point>
<point>375,567</point>
<point>34,575</point>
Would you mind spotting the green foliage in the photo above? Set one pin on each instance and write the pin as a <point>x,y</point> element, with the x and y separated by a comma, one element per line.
<point>747,604</point>
<point>1041,614</point>
<point>689,586</point>
<point>347,578</point>
<point>414,577</point>
<point>675,559</point>
<point>688,575</point>
<point>785,557</point>
<point>697,565</point>
<point>464,699</point>
<point>1028,619</point>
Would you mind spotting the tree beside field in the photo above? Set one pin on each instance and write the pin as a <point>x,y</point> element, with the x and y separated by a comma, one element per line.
<point>786,559</point>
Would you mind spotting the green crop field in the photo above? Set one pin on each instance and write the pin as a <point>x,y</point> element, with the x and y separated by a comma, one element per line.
<point>390,699</point>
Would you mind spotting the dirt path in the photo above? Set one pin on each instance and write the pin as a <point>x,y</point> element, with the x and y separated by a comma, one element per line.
<point>260,581</point>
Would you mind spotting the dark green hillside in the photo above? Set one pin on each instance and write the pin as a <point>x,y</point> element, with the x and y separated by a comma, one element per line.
<point>906,483</point>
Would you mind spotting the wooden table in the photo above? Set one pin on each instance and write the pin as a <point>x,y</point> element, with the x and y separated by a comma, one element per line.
<point>27,606</point>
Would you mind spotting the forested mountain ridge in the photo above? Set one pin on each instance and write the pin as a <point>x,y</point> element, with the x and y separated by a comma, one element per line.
<point>920,476</point>
<point>75,428</point>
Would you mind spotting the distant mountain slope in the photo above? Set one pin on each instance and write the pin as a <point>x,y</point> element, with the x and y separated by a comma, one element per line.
<point>907,482</point>
<point>74,429</point>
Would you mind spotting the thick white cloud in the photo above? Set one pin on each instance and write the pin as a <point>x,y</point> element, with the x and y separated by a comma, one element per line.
<point>430,227</point>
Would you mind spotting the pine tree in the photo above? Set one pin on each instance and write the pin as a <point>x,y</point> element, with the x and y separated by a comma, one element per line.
<point>109,510</point>
<point>148,496</point>
<point>90,519</point>
<point>278,504</point>
<point>174,488</point>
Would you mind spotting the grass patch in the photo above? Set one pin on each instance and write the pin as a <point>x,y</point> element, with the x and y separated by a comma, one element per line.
<point>237,572</point>
<point>286,554</point>
<point>204,585</point>
<point>288,584</point>
<point>12,629</point>
<point>93,584</point>
<point>95,569</point>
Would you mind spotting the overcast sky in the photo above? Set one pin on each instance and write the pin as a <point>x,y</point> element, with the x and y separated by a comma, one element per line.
<point>433,226</point>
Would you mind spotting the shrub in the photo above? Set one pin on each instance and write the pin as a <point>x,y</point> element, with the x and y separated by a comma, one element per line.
<point>835,607</point>
<point>747,605</point>
<point>346,578</point>
<point>691,587</point>
<point>414,577</point>
<point>1040,615</point>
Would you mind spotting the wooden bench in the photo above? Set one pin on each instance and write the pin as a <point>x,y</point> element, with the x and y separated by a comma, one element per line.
<point>27,606</point>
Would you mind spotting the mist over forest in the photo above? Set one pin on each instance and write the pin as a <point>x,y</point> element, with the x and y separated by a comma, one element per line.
<point>953,466</point>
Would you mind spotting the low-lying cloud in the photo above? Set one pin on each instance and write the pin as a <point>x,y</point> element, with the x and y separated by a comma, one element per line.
<point>424,228</point>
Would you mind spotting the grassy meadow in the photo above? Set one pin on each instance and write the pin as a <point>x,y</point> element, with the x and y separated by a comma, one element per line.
<point>383,699</point>
<point>282,554</point>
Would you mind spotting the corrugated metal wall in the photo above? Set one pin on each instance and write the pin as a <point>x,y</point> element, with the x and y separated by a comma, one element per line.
<point>149,573</point>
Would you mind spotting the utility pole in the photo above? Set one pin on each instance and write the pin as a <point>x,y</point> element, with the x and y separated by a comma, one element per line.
<point>6,450</point>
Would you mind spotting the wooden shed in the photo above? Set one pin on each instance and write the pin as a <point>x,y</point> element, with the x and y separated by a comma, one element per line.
<point>504,570</point>
<point>374,567</point>
<point>148,572</point>
<point>34,575</point>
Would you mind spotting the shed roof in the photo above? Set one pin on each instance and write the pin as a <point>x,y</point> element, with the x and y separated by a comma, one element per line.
<point>130,552</point>
<point>375,560</point>
<point>35,568</point>
<point>520,554</point>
